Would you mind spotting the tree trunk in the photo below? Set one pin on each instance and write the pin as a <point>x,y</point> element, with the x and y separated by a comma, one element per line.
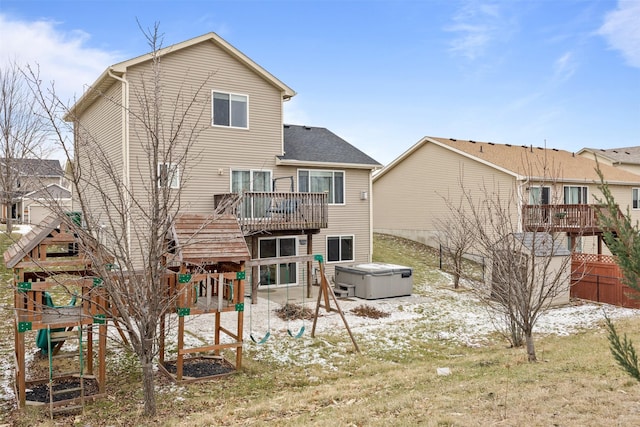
<point>9,205</point>
<point>531,349</point>
<point>456,280</point>
<point>148,385</point>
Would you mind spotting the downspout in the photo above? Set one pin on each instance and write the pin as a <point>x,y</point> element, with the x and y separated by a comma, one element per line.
<point>521,204</point>
<point>370,216</point>
<point>126,168</point>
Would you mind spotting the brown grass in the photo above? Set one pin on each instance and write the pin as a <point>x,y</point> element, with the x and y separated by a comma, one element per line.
<point>576,383</point>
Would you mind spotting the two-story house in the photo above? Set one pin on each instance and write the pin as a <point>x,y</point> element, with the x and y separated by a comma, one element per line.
<point>32,184</point>
<point>552,190</point>
<point>295,190</point>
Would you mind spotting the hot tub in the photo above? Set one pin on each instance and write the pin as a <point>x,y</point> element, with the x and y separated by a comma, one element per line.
<point>376,280</point>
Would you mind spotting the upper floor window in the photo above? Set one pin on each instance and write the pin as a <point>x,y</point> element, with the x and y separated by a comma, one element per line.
<point>322,181</point>
<point>230,109</point>
<point>539,195</point>
<point>635,198</point>
<point>168,175</point>
<point>252,181</point>
<point>575,195</point>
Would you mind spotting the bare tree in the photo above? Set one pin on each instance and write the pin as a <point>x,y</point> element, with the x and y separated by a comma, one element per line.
<point>128,206</point>
<point>22,135</point>
<point>454,238</point>
<point>527,270</point>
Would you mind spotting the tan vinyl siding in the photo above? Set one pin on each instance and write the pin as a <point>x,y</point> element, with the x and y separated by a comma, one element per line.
<point>218,149</point>
<point>410,197</point>
<point>101,131</point>
<point>350,219</point>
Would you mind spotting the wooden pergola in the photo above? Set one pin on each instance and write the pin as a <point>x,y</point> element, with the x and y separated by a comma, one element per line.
<point>207,255</point>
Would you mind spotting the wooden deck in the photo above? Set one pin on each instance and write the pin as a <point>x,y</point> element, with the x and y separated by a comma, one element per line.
<point>276,211</point>
<point>574,219</point>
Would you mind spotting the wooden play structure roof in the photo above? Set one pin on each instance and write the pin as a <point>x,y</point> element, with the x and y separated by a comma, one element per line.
<point>200,239</point>
<point>51,230</point>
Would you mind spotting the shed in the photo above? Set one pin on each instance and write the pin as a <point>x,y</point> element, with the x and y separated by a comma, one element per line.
<point>542,253</point>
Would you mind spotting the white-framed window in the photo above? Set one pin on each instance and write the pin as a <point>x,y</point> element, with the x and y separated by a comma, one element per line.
<point>322,181</point>
<point>340,248</point>
<point>574,244</point>
<point>283,273</point>
<point>229,109</point>
<point>575,195</point>
<point>635,198</point>
<point>243,180</point>
<point>539,195</point>
<point>168,175</point>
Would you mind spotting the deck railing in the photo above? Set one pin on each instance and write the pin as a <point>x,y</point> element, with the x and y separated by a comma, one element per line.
<point>562,218</point>
<point>276,211</point>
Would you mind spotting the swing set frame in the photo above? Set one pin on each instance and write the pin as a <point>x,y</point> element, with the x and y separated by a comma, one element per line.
<point>325,294</point>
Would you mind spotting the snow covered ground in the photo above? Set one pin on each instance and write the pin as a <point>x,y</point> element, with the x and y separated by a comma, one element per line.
<point>432,313</point>
<point>437,313</point>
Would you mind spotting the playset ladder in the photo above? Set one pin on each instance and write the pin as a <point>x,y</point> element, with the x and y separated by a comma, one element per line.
<point>326,292</point>
<point>55,339</point>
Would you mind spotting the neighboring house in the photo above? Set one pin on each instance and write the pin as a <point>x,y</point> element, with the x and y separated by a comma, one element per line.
<point>549,187</point>
<point>36,205</point>
<point>627,158</point>
<point>303,190</point>
<point>31,179</point>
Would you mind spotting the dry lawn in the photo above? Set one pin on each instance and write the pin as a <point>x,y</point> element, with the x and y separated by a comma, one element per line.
<point>576,383</point>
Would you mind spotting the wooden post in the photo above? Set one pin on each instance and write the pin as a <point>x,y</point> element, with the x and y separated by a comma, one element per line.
<point>309,263</point>
<point>240,300</point>
<point>180,358</point>
<point>102,355</point>
<point>255,272</point>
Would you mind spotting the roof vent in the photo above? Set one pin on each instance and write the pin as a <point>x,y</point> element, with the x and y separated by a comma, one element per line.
<point>307,127</point>
<point>540,148</point>
<point>626,152</point>
<point>472,141</point>
<point>554,149</point>
<point>287,126</point>
<point>452,139</point>
<point>508,145</point>
<point>491,143</point>
<point>615,151</point>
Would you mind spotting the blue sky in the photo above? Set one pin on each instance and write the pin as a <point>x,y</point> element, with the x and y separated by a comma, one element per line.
<point>382,74</point>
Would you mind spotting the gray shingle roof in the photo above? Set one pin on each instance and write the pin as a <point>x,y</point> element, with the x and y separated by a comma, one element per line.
<point>314,144</point>
<point>36,167</point>
<point>630,155</point>
<point>542,243</point>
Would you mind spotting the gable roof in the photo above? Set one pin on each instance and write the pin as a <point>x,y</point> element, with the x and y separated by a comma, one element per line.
<point>525,162</point>
<point>315,146</point>
<point>112,73</point>
<point>16,252</point>
<point>35,167</point>
<point>624,155</point>
<point>203,239</point>
<point>51,191</point>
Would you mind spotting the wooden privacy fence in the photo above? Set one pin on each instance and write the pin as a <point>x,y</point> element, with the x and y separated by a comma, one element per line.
<point>598,278</point>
